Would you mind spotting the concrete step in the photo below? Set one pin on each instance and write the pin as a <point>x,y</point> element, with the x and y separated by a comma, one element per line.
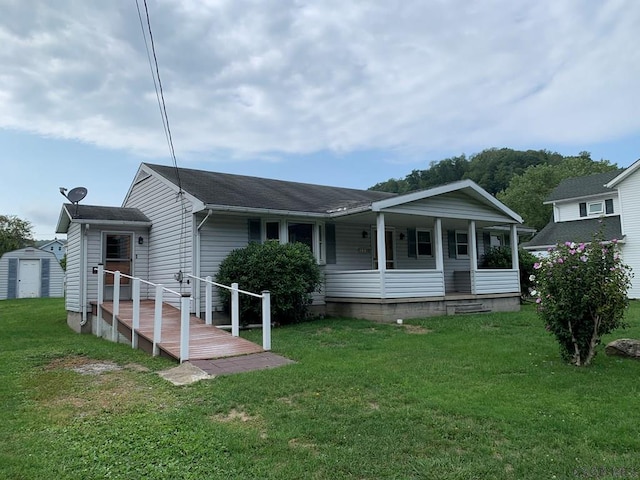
<point>463,308</point>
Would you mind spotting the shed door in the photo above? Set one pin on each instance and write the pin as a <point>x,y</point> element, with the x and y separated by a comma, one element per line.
<point>29,278</point>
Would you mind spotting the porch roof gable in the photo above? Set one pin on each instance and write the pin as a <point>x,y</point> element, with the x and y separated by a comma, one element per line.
<point>467,187</point>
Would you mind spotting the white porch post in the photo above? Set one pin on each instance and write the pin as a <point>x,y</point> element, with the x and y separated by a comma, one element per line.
<point>382,252</point>
<point>473,254</point>
<point>437,240</point>
<point>439,250</point>
<point>515,262</point>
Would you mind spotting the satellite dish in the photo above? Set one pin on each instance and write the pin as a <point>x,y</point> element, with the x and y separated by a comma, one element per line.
<point>76,194</point>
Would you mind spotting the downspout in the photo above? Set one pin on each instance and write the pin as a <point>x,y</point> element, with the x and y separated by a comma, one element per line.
<point>84,277</point>
<point>197,256</point>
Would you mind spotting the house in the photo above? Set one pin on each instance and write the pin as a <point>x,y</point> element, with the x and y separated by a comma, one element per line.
<point>57,247</point>
<point>30,272</point>
<point>383,256</point>
<point>605,202</point>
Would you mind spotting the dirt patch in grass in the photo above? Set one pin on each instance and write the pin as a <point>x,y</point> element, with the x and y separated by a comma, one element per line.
<point>233,416</point>
<point>416,329</point>
<point>103,387</point>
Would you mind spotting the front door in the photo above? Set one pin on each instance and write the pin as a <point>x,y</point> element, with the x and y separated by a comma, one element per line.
<point>117,257</point>
<point>29,279</point>
<point>389,249</point>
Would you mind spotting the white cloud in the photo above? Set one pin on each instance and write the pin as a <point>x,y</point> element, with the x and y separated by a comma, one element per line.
<point>257,78</point>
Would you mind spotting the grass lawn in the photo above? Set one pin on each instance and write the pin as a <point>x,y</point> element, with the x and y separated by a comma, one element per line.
<point>479,396</point>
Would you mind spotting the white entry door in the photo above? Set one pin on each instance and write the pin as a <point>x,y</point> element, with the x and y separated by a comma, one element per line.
<point>29,279</point>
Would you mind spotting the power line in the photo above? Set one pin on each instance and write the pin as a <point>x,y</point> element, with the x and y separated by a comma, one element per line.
<point>157,84</point>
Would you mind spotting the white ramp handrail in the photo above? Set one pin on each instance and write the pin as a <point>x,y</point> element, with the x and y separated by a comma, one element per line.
<point>265,296</point>
<point>185,298</point>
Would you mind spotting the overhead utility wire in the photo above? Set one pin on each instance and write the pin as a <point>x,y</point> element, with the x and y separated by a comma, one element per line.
<point>167,130</point>
<point>157,84</point>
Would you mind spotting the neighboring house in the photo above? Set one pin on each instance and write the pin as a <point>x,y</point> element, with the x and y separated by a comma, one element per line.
<point>383,256</point>
<point>606,202</point>
<point>57,247</point>
<point>30,272</point>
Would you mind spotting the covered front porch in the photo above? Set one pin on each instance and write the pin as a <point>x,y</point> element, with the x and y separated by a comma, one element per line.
<point>426,259</point>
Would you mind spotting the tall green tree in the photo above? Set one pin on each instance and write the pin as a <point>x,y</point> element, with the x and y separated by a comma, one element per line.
<point>527,192</point>
<point>15,233</point>
<point>494,168</point>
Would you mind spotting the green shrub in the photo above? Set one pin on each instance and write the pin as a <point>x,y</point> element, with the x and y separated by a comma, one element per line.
<point>288,271</point>
<point>582,295</point>
<point>500,257</point>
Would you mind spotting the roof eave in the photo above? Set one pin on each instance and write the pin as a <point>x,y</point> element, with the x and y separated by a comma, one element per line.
<point>262,211</point>
<point>624,174</point>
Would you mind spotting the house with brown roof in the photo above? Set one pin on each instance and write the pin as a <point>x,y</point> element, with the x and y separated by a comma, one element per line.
<point>604,202</point>
<point>383,256</point>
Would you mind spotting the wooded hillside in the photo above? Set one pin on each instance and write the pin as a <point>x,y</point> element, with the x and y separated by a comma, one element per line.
<point>520,179</point>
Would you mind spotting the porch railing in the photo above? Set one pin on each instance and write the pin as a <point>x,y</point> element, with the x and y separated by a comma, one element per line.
<point>388,284</point>
<point>487,281</point>
<point>185,311</point>
<point>265,297</point>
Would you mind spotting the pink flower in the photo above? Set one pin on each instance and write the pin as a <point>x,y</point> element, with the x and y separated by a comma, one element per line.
<point>538,300</point>
<point>560,260</point>
<point>537,266</point>
<point>583,258</point>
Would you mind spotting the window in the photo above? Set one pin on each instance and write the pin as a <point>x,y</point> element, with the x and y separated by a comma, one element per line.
<point>462,244</point>
<point>302,233</point>
<point>272,231</point>
<point>423,243</point>
<point>595,208</point>
<point>497,240</point>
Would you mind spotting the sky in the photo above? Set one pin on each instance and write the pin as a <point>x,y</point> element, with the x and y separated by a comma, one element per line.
<point>334,92</point>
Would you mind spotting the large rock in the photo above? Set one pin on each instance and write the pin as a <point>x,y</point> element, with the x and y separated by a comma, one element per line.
<point>624,347</point>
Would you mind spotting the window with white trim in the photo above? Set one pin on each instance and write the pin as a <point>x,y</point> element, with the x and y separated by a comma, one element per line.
<point>595,208</point>
<point>462,244</point>
<point>272,230</point>
<point>424,246</point>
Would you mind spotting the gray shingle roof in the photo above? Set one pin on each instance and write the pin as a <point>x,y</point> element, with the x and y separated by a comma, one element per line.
<point>576,231</point>
<point>214,188</point>
<point>95,212</point>
<point>583,186</point>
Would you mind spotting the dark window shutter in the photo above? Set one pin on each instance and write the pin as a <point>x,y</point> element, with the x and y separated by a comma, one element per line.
<point>12,287</point>
<point>45,268</point>
<point>451,240</point>
<point>330,232</point>
<point>412,250</point>
<point>254,231</point>
<point>486,242</point>
<point>608,205</point>
<point>583,209</point>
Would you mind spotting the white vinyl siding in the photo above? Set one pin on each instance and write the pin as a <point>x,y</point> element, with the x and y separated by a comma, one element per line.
<point>629,191</point>
<point>569,211</point>
<point>170,239</point>
<point>220,235</point>
<point>74,249</point>
<point>452,205</point>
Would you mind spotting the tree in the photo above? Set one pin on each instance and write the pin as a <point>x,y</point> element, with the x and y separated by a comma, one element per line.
<point>494,168</point>
<point>15,233</point>
<point>581,294</point>
<point>289,271</point>
<point>527,192</point>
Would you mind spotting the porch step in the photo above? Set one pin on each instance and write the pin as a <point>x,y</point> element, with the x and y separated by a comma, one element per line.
<point>462,308</point>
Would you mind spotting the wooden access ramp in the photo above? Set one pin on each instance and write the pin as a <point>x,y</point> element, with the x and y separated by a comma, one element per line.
<point>206,342</point>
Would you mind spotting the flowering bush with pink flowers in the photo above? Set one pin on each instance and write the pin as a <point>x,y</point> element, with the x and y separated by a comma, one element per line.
<point>581,292</point>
